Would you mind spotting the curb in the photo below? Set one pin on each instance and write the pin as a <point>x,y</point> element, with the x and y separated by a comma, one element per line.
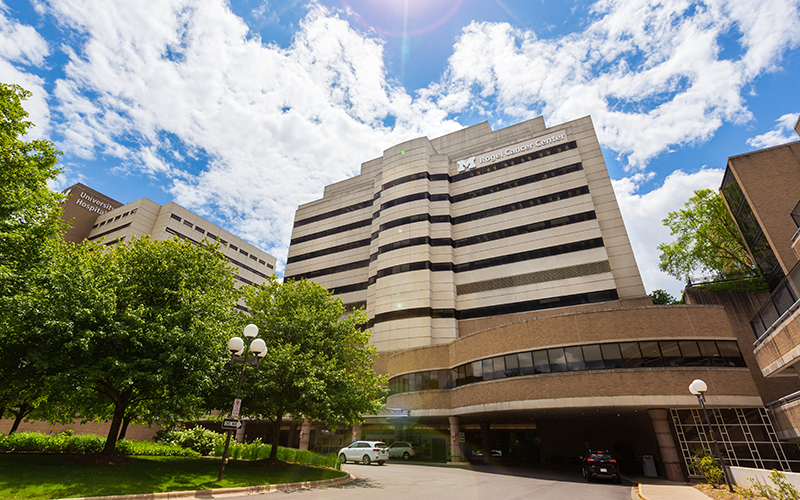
<point>229,492</point>
<point>640,493</point>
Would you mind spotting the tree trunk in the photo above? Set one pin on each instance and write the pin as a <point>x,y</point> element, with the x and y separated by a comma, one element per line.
<point>125,422</point>
<point>19,414</point>
<point>120,407</point>
<point>276,436</point>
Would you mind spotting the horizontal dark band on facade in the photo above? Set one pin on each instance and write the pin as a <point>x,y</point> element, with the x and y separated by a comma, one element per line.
<point>483,238</point>
<point>237,263</point>
<point>606,356</point>
<point>355,287</point>
<point>332,231</point>
<point>438,219</point>
<point>328,251</point>
<point>334,213</point>
<point>500,260</point>
<point>479,171</point>
<point>433,177</point>
<point>556,172</point>
<point>330,270</point>
<point>482,312</point>
<point>561,273</point>
<point>106,233</point>
<point>352,306</point>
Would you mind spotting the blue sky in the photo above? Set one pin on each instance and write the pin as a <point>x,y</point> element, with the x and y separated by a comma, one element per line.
<point>241,110</point>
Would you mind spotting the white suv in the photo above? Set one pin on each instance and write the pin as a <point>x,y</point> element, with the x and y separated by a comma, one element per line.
<point>401,449</point>
<point>365,452</point>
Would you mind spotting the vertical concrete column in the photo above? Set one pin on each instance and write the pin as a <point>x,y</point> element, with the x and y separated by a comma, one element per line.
<point>666,445</point>
<point>456,453</point>
<point>239,438</point>
<point>292,443</point>
<point>486,443</point>
<point>356,433</point>
<point>398,432</point>
<point>305,434</point>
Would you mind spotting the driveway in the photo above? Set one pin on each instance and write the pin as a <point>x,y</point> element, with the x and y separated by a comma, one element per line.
<point>409,481</point>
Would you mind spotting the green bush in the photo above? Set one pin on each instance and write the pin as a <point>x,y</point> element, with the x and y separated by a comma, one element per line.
<point>783,490</point>
<point>199,439</point>
<point>705,464</point>
<point>258,451</point>
<point>68,442</point>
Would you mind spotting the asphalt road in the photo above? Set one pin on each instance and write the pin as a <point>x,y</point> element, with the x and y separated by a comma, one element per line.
<point>409,481</point>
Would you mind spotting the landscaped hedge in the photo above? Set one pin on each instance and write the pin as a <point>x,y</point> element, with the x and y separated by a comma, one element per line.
<point>67,442</point>
<point>258,451</point>
<point>199,439</point>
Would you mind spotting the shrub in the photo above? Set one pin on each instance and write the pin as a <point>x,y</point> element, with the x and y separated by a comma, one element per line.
<point>199,439</point>
<point>705,464</point>
<point>783,490</point>
<point>68,442</point>
<point>258,451</point>
<point>125,447</point>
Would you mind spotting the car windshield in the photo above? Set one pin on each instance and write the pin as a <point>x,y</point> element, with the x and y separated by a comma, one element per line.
<point>380,445</point>
<point>597,456</point>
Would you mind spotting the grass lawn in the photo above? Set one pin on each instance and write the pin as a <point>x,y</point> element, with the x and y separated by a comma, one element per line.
<point>34,476</point>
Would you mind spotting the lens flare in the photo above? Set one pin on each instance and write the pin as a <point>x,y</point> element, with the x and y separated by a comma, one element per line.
<point>402,17</point>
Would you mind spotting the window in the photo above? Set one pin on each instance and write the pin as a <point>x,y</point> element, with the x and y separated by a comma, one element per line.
<point>558,362</point>
<point>187,223</point>
<point>102,223</point>
<point>540,362</point>
<point>211,236</point>
<point>593,357</point>
<point>117,217</point>
<point>261,262</point>
<point>125,214</point>
<point>134,211</point>
<point>174,217</point>
<point>253,257</point>
<point>233,247</point>
<point>95,226</point>
<point>199,229</point>
<point>243,252</point>
<point>631,354</point>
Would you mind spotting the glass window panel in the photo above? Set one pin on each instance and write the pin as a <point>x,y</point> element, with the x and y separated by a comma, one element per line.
<point>426,380</point>
<point>477,370</point>
<point>434,380</point>
<point>651,354</point>
<point>419,381</point>
<point>462,374</point>
<point>689,349</point>
<point>558,362</point>
<point>631,354</point>
<point>512,365</point>
<point>525,363</point>
<point>443,378</point>
<point>499,367</point>
<point>574,356</point>
<point>409,380</point>
<point>593,357</point>
<point>730,351</point>
<point>612,357</point>
<point>470,373</point>
<point>540,362</point>
<point>671,353</point>
<point>488,369</point>
<point>708,348</point>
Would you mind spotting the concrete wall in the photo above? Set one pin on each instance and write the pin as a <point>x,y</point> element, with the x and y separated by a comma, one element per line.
<point>744,476</point>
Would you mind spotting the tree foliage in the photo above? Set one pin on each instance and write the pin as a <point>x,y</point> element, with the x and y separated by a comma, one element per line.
<point>138,326</point>
<point>319,364</point>
<point>662,297</point>
<point>30,223</point>
<point>29,210</point>
<point>708,241</point>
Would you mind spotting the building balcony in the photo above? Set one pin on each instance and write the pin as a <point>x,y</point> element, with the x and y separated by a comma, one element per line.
<point>777,328</point>
<point>785,414</point>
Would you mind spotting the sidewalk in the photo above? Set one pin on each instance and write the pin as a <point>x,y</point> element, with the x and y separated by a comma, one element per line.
<point>653,488</point>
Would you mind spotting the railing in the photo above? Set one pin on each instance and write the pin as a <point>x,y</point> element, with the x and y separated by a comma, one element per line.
<point>782,302</point>
<point>782,401</point>
<point>796,214</point>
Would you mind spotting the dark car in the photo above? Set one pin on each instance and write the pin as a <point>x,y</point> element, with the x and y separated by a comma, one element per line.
<point>601,465</point>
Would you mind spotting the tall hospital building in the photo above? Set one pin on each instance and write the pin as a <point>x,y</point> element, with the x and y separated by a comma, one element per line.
<point>508,310</point>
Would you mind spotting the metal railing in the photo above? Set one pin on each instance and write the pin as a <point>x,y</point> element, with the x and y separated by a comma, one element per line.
<point>781,302</point>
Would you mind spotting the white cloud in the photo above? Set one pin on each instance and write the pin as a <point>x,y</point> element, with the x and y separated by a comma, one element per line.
<point>651,75</point>
<point>22,46</point>
<point>277,125</point>
<point>643,214</point>
<point>781,134</point>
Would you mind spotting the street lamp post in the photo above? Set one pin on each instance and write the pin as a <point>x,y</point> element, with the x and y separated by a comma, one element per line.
<point>240,351</point>
<point>698,388</point>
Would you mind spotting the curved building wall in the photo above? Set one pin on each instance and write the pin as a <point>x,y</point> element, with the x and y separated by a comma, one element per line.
<point>691,342</point>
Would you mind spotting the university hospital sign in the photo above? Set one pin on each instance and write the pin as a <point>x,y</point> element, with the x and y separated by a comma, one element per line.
<point>511,151</point>
<point>92,204</point>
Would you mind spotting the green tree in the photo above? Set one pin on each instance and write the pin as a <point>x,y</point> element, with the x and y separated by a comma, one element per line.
<point>318,364</point>
<point>135,326</point>
<point>707,240</point>
<point>30,223</point>
<point>29,210</point>
<point>662,297</point>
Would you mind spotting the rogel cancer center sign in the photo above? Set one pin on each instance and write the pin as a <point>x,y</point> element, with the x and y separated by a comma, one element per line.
<point>512,151</point>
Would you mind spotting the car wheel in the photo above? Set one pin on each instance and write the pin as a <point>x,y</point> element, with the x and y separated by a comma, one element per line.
<point>365,460</point>
<point>380,462</point>
<point>343,458</point>
<point>406,456</point>
<point>618,480</point>
<point>588,478</point>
